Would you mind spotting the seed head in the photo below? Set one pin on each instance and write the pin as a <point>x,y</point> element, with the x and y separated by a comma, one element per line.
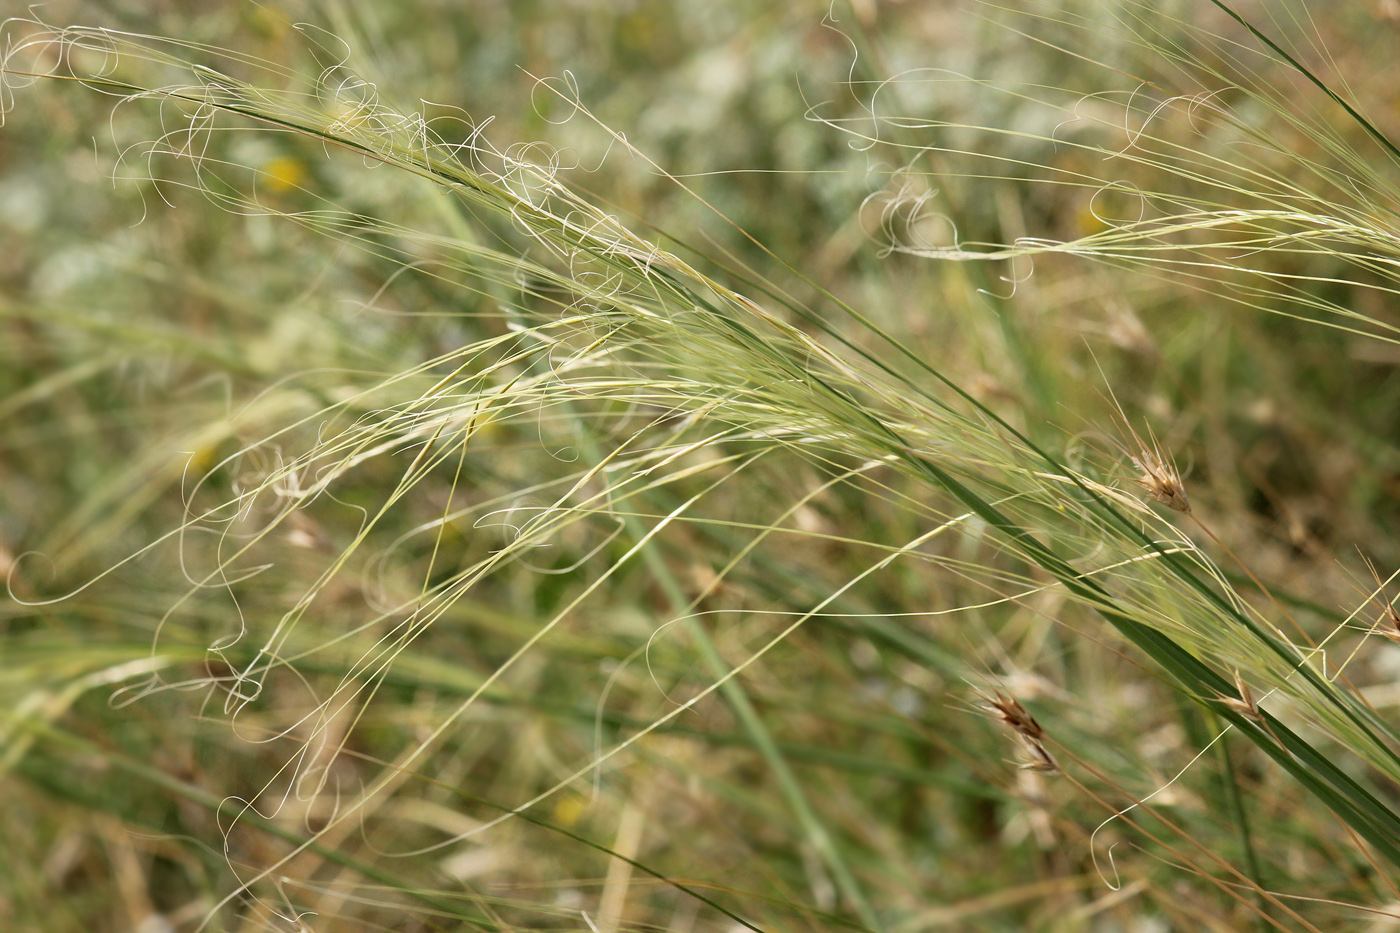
<point>1160,478</point>
<point>1388,624</point>
<point>1010,711</point>
<point>1244,703</point>
<point>1157,473</point>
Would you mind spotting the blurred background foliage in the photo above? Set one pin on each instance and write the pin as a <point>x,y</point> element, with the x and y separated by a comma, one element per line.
<point>147,334</point>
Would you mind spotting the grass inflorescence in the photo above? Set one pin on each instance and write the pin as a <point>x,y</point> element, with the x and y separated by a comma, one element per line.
<point>447,541</point>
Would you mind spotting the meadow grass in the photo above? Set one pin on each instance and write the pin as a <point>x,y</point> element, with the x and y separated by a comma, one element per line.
<point>414,530</point>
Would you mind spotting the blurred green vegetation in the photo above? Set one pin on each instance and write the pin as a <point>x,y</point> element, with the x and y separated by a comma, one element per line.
<point>162,354</point>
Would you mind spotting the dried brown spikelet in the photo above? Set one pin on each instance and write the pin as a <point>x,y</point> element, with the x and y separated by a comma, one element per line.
<point>1010,711</point>
<point>1158,475</point>
<point>1160,478</point>
<point>1388,625</point>
<point>1243,704</point>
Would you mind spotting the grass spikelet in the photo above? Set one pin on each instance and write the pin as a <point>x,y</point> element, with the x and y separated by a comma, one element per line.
<point>1018,719</point>
<point>1158,476</point>
<point>1242,702</point>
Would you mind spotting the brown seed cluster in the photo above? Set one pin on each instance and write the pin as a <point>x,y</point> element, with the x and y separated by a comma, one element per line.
<point>1157,473</point>
<point>1160,478</point>
<point>1010,711</point>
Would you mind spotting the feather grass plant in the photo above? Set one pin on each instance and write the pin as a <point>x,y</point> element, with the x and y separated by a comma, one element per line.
<point>398,578</point>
